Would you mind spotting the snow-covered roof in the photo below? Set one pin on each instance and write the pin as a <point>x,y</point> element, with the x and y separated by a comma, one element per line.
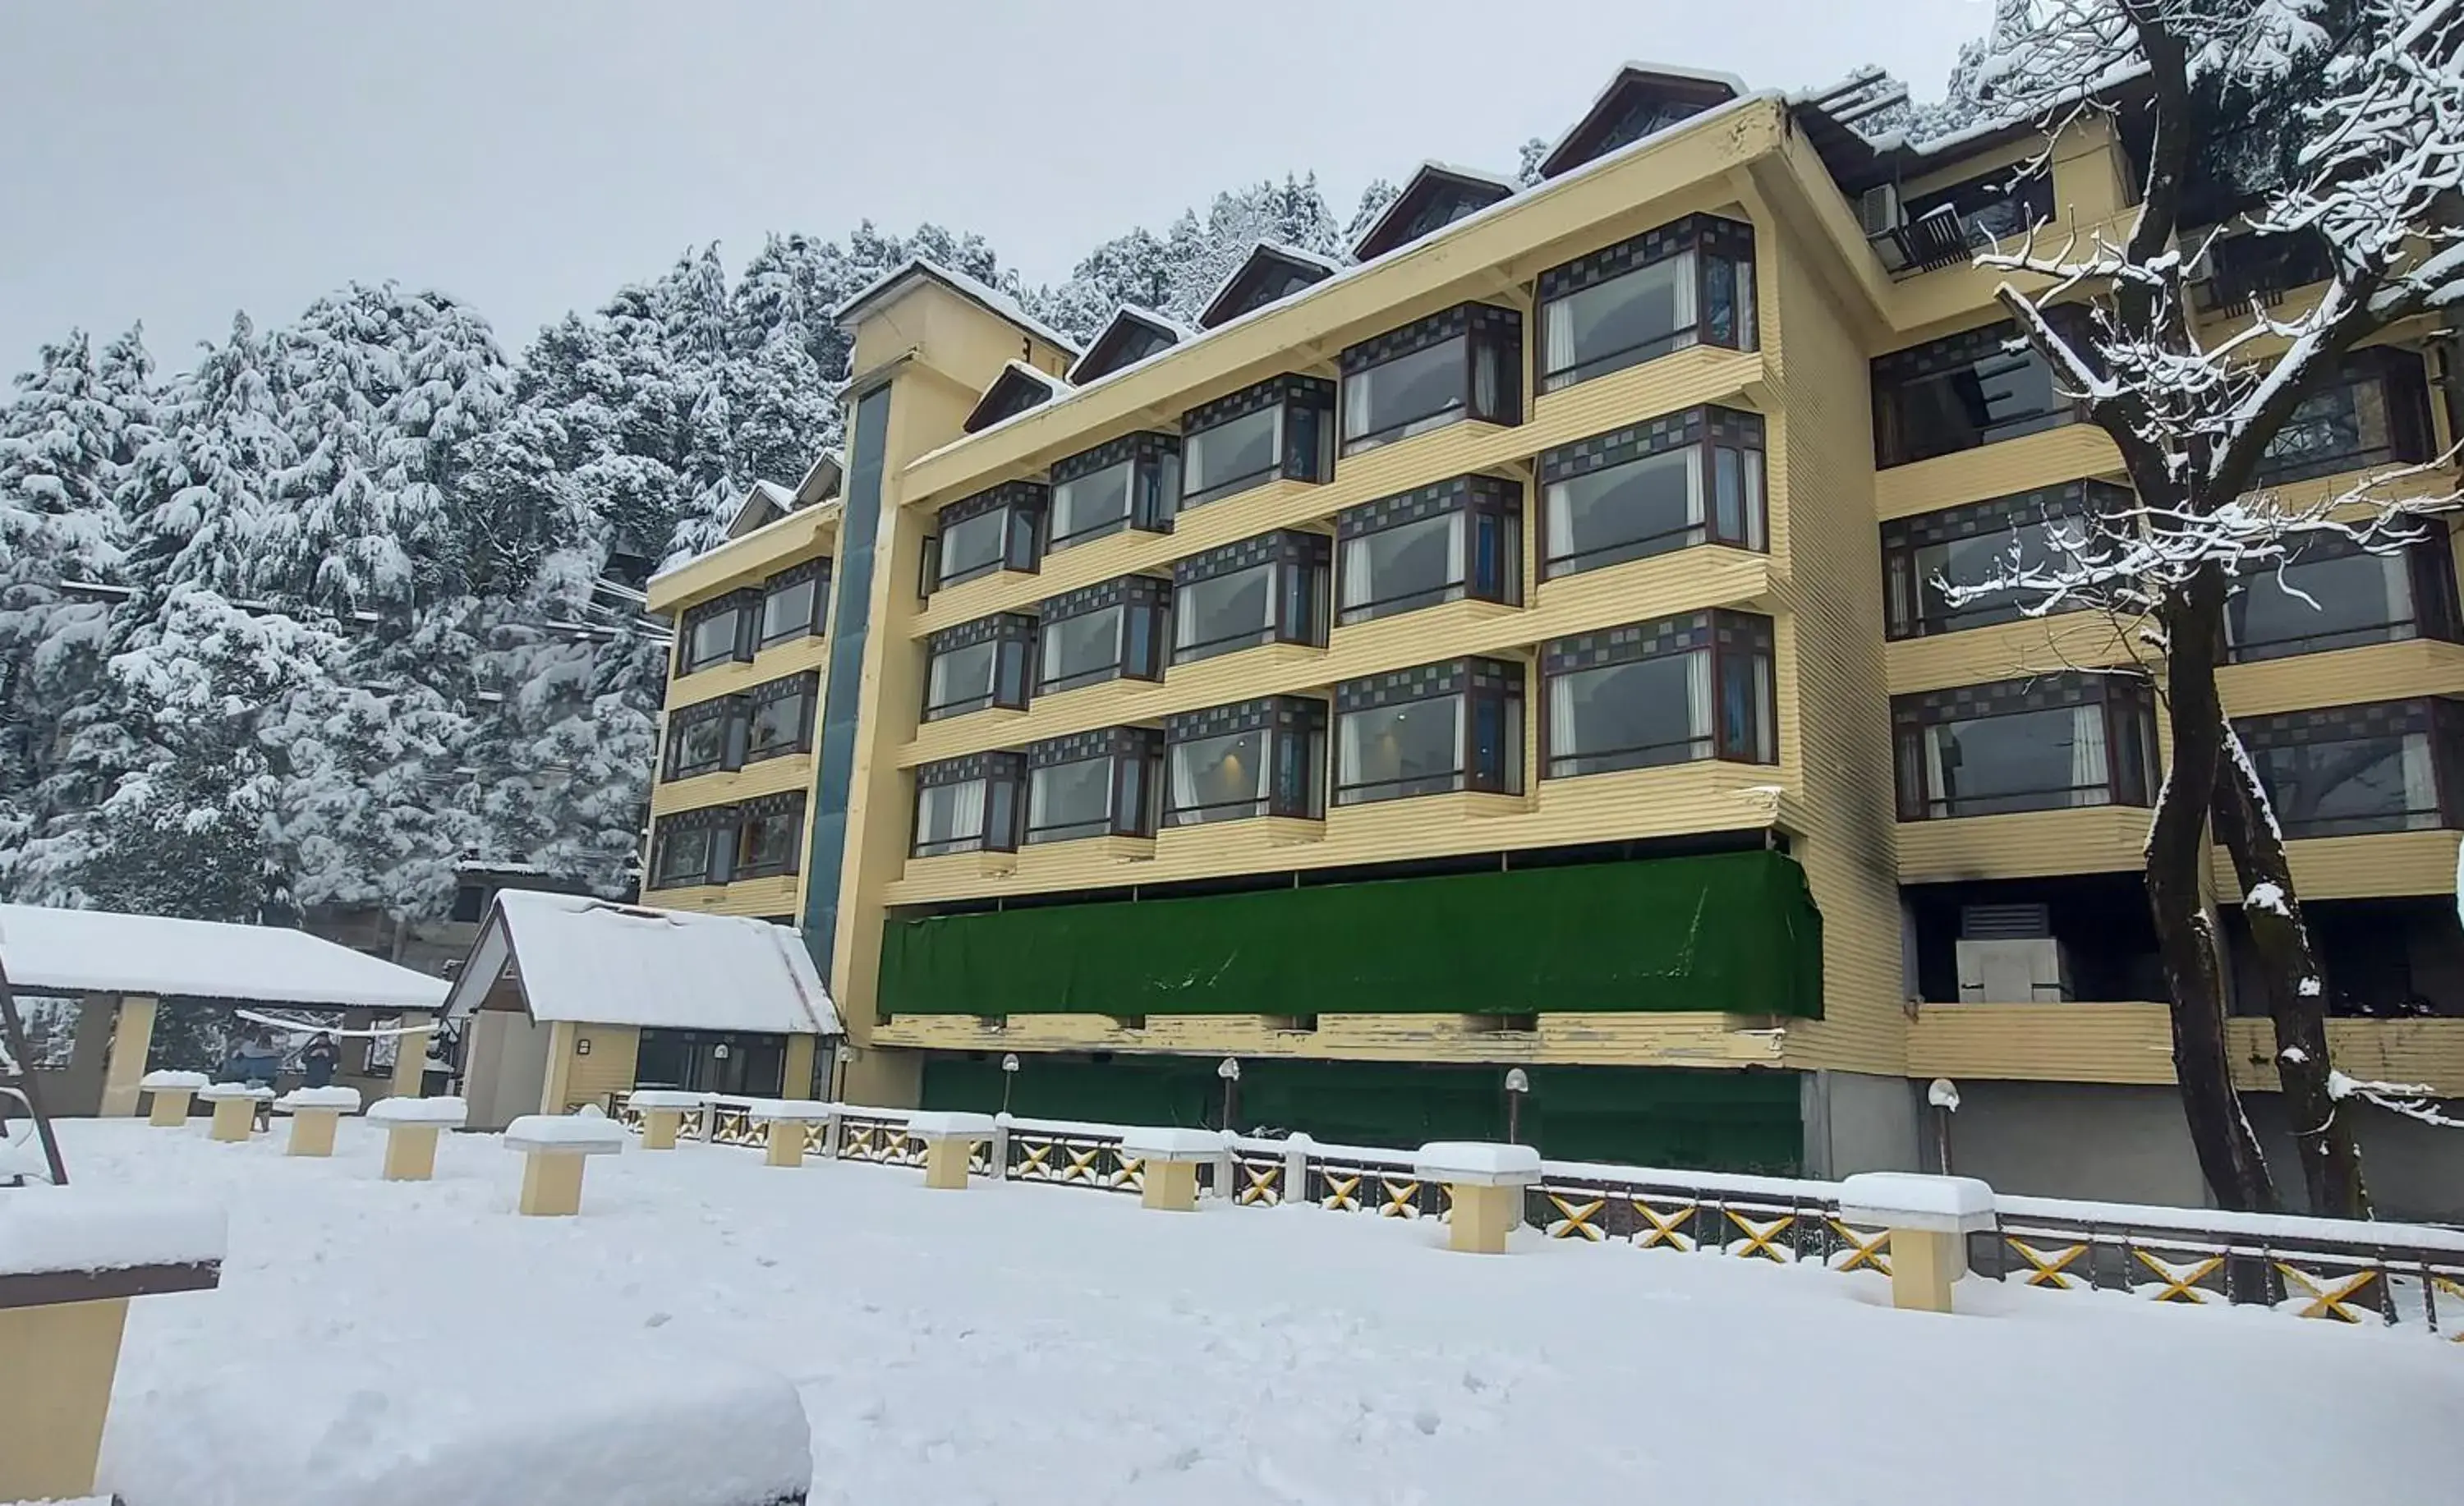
<point>1001,398</point>
<point>104,952</point>
<point>1128,315</point>
<point>765,502</point>
<point>958,282</point>
<point>1216,315</point>
<point>1628,75</point>
<point>1430,175</point>
<point>597,962</point>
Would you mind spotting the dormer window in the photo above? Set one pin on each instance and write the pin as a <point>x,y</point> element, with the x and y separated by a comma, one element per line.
<point>1271,589</point>
<point>1639,103</point>
<point>1271,274</point>
<point>1132,482</point>
<point>978,665</point>
<point>1687,284</point>
<point>1464,363</point>
<point>1133,334</point>
<point>1017,388</point>
<point>1000,528</point>
<point>1436,197</point>
<point>1282,428</point>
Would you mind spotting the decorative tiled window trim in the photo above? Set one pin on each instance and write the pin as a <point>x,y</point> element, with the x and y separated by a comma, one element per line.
<point>1721,425</point>
<point>1284,546</point>
<point>1009,493</point>
<point>1109,742</point>
<point>974,766</point>
<point>1656,639</point>
<point>999,627</point>
<point>1435,330</point>
<point>1709,233</point>
<point>1105,595</point>
<point>1428,683</point>
<point>1458,495</point>
<point>1282,713</point>
<point>1144,444</point>
<point>2042,693</point>
<point>1303,391</point>
<point>2002,514</point>
<point>2337,723</point>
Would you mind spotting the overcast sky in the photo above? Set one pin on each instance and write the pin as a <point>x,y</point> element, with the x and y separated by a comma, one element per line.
<point>172,160</point>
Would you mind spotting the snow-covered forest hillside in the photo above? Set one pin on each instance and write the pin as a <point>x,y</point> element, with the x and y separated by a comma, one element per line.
<point>310,615</point>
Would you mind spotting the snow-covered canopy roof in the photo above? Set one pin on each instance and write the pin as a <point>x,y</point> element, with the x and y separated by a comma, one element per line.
<point>1438,194</point>
<point>1640,94</point>
<point>104,952</point>
<point>1133,334</point>
<point>596,962</point>
<point>993,299</point>
<point>1273,273</point>
<point>1017,388</point>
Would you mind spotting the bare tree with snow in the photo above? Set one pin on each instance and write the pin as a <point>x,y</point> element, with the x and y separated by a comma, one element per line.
<point>2337,121</point>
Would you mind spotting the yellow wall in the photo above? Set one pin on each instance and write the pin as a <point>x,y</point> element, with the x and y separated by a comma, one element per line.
<point>2133,1043</point>
<point>585,1063</point>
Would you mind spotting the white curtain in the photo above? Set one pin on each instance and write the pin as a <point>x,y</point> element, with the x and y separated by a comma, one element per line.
<point>1696,492</point>
<point>1563,724</point>
<point>1265,752</point>
<point>966,808</point>
<point>2089,775</point>
<point>1561,519</point>
<point>1358,583</point>
<point>1458,527</point>
<point>2396,572</point>
<point>1698,697</point>
<point>1936,789</point>
<point>937,682</point>
<point>2420,784</point>
<point>1356,403</point>
<point>1348,752</point>
<point>1683,309</point>
<point>1557,343</point>
<point>1185,780</point>
<point>1748,337</point>
<point>1484,364</point>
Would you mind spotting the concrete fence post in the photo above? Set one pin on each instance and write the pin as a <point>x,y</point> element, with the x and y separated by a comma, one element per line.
<point>1296,1160</point>
<point>1000,1147</point>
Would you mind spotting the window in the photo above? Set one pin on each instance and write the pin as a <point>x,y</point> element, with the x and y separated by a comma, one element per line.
<point>1112,631</point>
<point>2251,269</point>
<point>2046,743</point>
<point>997,530</point>
<point>794,600</point>
<point>1457,538</point>
<point>471,901</point>
<point>735,1062</point>
<point>1957,393</point>
<point>1443,727</point>
<point>2348,770</point>
<point>2336,594</point>
<point>718,631</point>
<point>1699,686</point>
<point>1688,478</point>
<point>1942,227</point>
<point>1690,283</point>
<point>1263,590</point>
<point>2375,412</point>
<point>1131,482</point>
<point>1097,784</point>
<point>1280,428</point>
<point>769,835</point>
<point>978,665</point>
<point>693,847</point>
<point>1464,363</point>
<point>782,721</point>
<point>968,805</point>
<point>706,737</point>
<point>1965,545</point>
<point>1263,757</point>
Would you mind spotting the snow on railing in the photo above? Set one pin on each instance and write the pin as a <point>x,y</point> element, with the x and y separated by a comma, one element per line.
<point>2402,1273</point>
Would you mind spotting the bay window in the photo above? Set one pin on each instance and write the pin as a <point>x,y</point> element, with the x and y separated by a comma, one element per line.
<point>1438,728</point>
<point>1105,783</point>
<point>1964,390</point>
<point>782,716</point>
<point>693,847</point>
<point>706,737</point>
<point>1964,546</point>
<point>2347,770</point>
<point>769,835</point>
<point>999,529</point>
<point>1254,758</point>
<point>718,631</point>
<point>794,602</point>
<point>1687,284</point>
<point>1265,590</point>
<point>2335,593</point>
<point>2044,743</point>
<point>2374,411</point>
<point>1131,483</point>
<point>978,665</point>
<point>1463,362</point>
<point>1278,429</point>
<point>1112,631</point>
<point>1682,689</point>
<point>1677,481</point>
<point>968,805</point>
<point>1457,538</point>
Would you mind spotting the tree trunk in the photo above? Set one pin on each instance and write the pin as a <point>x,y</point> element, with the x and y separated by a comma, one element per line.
<point>2296,997</point>
<point>2228,1153</point>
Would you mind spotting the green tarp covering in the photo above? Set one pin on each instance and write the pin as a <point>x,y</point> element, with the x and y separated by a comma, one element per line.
<point>1735,932</point>
<point>1661,1117</point>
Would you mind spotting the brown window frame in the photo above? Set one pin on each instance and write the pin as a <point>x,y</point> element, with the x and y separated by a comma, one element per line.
<point>2129,706</point>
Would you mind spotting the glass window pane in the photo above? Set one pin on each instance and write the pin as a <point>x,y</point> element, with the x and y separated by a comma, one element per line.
<point>1621,323</point>
<point>1398,569</point>
<point>2024,761</point>
<point>2325,602</point>
<point>1408,395</point>
<point>2352,786</point>
<point>1389,751</point>
<point>1230,455</point>
<point>960,679</point>
<point>950,818</point>
<point>778,727</point>
<point>1070,800</point>
<point>788,611</point>
<point>1092,504</point>
<point>714,638</point>
<point>1981,557</point>
<point>1631,715</point>
<point>1997,396</point>
<point>766,845</point>
<point>1227,612</point>
<point>1220,779</point>
<point>1645,506</point>
<point>974,546</point>
<point>700,746</point>
<point>1080,650</point>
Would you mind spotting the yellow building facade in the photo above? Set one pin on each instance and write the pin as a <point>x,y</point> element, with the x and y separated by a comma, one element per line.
<point>1518,647</point>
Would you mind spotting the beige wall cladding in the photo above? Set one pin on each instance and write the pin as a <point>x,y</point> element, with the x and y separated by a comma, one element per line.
<point>2092,838</point>
<point>2346,677</point>
<point>2002,468</point>
<point>2009,651</point>
<point>2087,1042</point>
<point>794,657</point>
<point>2385,865</point>
<point>1698,1040</point>
<point>769,776</point>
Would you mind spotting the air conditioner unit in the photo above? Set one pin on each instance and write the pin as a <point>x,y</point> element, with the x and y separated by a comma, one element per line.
<point>2032,971</point>
<point>1878,214</point>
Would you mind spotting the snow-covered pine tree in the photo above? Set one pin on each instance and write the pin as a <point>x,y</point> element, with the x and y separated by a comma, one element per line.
<point>2339,121</point>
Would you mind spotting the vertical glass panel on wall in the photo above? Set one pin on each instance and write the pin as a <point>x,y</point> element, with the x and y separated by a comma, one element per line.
<point>1254,758</point>
<point>1276,429</point>
<point>1680,689</point>
<point>1267,589</point>
<point>1456,539</point>
<point>1688,478</point>
<point>1687,284</point>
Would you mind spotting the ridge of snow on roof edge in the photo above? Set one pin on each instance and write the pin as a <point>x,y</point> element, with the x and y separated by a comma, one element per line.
<point>817,510</point>
<point>1156,318</point>
<point>813,1009</point>
<point>122,951</point>
<point>1443,232</point>
<point>991,297</point>
<point>1057,385</point>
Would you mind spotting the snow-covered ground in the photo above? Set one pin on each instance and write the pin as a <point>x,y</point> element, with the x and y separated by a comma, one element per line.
<point>1031,1345</point>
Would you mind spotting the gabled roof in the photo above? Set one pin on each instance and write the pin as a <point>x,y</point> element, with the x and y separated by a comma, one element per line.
<point>1642,98</point>
<point>1133,336</point>
<point>766,502</point>
<point>1273,271</point>
<point>105,952</point>
<point>597,962</point>
<point>1017,388</point>
<point>1437,195</point>
<point>992,299</point>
